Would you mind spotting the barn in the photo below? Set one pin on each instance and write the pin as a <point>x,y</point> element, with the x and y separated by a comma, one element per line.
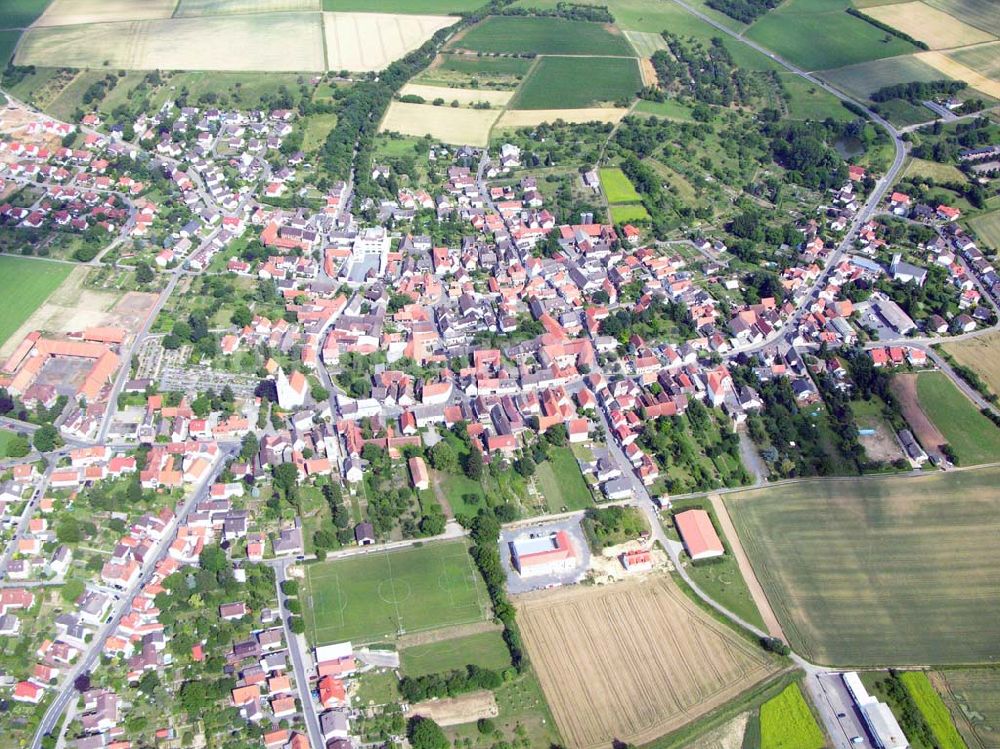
<point>543,554</point>
<point>698,534</point>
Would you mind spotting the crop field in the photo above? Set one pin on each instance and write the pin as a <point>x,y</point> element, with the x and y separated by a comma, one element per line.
<point>464,96</point>
<point>979,13</point>
<point>561,482</point>
<point>819,34</point>
<point>19,14</point>
<point>933,709</point>
<point>987,228</point>
<point>484,649</point>
<point>632,661</point>
<point>923,169</point>
<point>219,7</point>
<point>981,354</point>
<point>24,286</point>
<point>787,723</point>
<point>260,41</point>
<point>382,594</point>
<point>69,12</point>
<point>371,41</point>
<point>809,102</point>
<point>971,435</point>
<point>983,58</point>
<point>880,570</point>
<point>532,117</point>
<point>8,41</point>
<point>929,25</point>
<point>863,79</point>
<point>646,42</point>
<point>418,7</point>
<point>543,36</point>
<point>617,187</point>
<point>973,695</point>
<point>952,68</point>
<point>461,127</point>
<point>486,66</point>
<point>570,82</point>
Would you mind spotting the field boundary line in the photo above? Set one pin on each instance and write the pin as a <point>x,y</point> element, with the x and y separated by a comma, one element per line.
<point>395,603</point>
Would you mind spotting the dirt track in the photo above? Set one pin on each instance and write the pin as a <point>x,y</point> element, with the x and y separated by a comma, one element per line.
<point>455,710</point>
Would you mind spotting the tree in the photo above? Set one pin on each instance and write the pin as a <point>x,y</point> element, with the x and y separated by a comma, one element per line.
<point>68,530</point>
<point>143,273</point>
<point>474,464</point>
<point>297,625</point>
<point>443,458</point>
<point>290,587</point>
<point>213,559</point>
<point>424,733</point>
<point>72,590</point>
<point>249,446</point>
<point>46,438</point>
<point>286,476</point>
<point>18,447</point>
<point>525,466</point>
<point>242,316</point>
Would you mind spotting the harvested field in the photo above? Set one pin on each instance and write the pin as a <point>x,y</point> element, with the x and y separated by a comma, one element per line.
<point>632,661</point>
<point>981,354</point>
<point>973,696</point>
<point>461,127</point>
<point>533,117</point>
<point>954,69</point>
<point>727,736</point>
<point>464,96</point>
<point>371,41</point>
<point>219,7</point>
<point>979,13</point>
<point>258,41</point>
<point>933,27</point>
<point>646,42</point>
<point>984,58</point>
<point>435,7</point>
<point>70,12</point>
<point>904,387</point>
<point>453,711</point>
<point>916,556</point>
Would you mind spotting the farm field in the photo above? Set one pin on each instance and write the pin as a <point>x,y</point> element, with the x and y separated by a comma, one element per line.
<point>927,24</point>
<point>819,34</point>
<point>981,354</point>
<point>809,102</point>
<point>457,126</point>
<point>912,555</point>
<point>632,661</point>
<point>530,117</point>
<point>379,595</point>
<point>19,14</point>
<point>623,214</point>
<point>543,36</point>
<point>617,187</point>
<point>787,723</point>
<point>568,82</point>
<point>973,696</point>
<point>484,649</point>
<point>670,109</point>
<point>69,12</point>
<point>371,41</point>
<point>260,41</point>
<point>971,435</point>
<point>984,58</point>
<point>933,709</point>
<point>979,13</point>
<point>561,483</point>
<point>432,7</point>
<point>987,228</point>
<point>952,68</point>
<point>486,66</point>
<point>24,286</point>
<point>8,41</point>
<point>863,79</point>
<point>219,7</point>
<point>464,96</point>
<point>646,42</point>
<point>937,171</point>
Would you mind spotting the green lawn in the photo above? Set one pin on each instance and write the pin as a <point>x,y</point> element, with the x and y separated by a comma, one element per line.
<point>5,438</point>
<point>485,649</point>
<point>809,102</point>
<point>574,82</point>
<point>376,596</point>
<point>24,286</point>
<point>561,483</point>
<point>543,36</point>
<point>417,7</point>
<point>786,722</point>
<point>19,14</point>
<point>819,34</point>
<point>623,214</point>
<point>617,187</point>
<point>973,437</point>
<point>880,570</point>
<point>933,709</point>
<point>670,109</point>
<point>318,127</point>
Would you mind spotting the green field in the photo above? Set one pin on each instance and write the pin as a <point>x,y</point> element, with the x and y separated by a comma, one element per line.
<point>377,596</point>
<point>670,109</point>
<point>923,169</point>
<point>561,483</point>
<point>543,36</point>
<point>880,570</point>
<point>983,58</point>
<point>486,66</point>
<point>787,723</point>
<point>8,41</point>
<point>973,695</point>
<point>973,437</point>
<point>19,14</point>
<point>415,7</point>
<point>862,79</point>
<point>5,437</point>
<point>221,7</point>
<point>979,13</point>
<point>933,709</point>
<point>809,102</point>
<point>623,214</point>
<point>318,127</point>
<point>24,286</point>
<point>617,187</point>
<point>573,82</point>
<point>987,228</point>
<point>485,649</point>
<point>819,34</point>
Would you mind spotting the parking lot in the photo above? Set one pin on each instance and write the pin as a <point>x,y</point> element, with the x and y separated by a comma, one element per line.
<point>518,584</point>
<point>848,719</point>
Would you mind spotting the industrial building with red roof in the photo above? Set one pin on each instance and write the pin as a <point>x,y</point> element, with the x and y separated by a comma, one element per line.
<point>698,534</point>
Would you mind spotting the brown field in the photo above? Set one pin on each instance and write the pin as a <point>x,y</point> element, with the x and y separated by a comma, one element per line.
<point>464,96</point>
<point>904,387</point>
<point>69,12</point>
<point>930,25</point>
<point>532,117</point>
<point>632,661</point>
<point>954,69</point>
<point>371,41</point>
<point>461,127</point>
<point>981,354</point>
<point>453,711</point>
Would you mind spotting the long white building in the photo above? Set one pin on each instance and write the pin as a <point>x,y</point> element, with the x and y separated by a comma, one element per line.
<point>878,718</point>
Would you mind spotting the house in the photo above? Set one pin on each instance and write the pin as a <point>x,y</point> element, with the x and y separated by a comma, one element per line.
<point>418,473</point>
<point>364,534</point>
<point>637,560</point>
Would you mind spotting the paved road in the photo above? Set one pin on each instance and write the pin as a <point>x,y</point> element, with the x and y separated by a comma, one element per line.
<point>29,508</point>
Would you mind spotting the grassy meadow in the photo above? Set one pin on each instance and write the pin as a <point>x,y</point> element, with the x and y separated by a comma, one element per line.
<point>484,649</point>
<point>971,435</point>
<point>24,286</point>
<point>543,36</point>
<point>561,483</point>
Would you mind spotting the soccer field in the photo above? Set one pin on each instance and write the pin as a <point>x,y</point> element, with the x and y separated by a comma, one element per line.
<point>880,571</point>
<point>24,286</point>
<point>380,595</point>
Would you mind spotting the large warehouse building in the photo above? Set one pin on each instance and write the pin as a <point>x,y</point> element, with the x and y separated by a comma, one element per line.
<point>878,718</point>
<point>543,555</point>
<point>698,534</point>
